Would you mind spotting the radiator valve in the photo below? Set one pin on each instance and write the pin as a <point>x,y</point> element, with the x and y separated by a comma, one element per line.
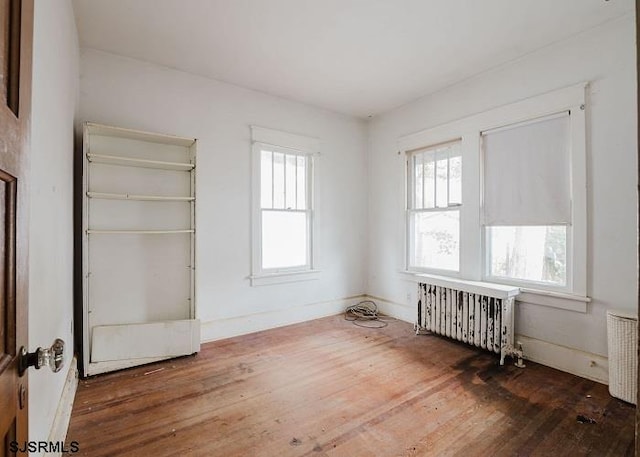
<point>519,353</point>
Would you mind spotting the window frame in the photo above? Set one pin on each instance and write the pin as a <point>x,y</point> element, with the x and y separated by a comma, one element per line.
<point>473,256</point>
<point>289,144</point>
<point>412,210</point>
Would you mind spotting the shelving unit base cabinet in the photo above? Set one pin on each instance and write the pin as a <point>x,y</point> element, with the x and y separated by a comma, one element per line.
<point>140,341</point>
<point>138,248</point>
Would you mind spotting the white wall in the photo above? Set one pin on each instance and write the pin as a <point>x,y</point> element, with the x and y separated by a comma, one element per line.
<point>130,93</point>
<point>55,95</point>
<point>605,56</point>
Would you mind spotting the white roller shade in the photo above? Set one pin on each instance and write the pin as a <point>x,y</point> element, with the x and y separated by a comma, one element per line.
<point>527,174</point>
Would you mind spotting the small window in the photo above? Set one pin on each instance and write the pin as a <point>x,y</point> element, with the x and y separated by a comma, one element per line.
<point>434,200</point>
<point>283,210</point>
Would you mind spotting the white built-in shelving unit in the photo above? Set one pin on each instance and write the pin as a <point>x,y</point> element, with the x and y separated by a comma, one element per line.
<point>138,248</point>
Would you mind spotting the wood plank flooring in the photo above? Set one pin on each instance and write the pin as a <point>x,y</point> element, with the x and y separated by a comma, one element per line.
<point>329,388</point>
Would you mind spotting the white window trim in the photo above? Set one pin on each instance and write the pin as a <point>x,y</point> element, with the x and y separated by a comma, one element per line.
<point>283,142</point>
<point>472,243</point>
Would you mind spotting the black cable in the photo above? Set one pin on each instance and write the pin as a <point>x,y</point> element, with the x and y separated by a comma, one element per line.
<point>363,312</point>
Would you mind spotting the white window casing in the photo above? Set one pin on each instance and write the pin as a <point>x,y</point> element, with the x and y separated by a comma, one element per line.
<point>283,210</point>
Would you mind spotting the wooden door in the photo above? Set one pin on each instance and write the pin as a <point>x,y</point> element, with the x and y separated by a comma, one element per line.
<point>638,179</point>
<point>16,30</point>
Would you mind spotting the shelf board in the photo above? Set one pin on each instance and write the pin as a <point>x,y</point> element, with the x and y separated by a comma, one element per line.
<point>137,232</point>
<point>112,196</point>
<point>144,163</point>
<point>119,132</point>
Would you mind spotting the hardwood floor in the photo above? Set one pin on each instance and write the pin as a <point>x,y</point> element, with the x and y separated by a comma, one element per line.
<point>329,388</point>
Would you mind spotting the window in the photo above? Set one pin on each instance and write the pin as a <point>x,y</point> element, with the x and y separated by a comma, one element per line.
<point>434,200</point>
<point>284,211</point>
<point>527,201</point>
<point>283,206</point>
<point>518,213</point>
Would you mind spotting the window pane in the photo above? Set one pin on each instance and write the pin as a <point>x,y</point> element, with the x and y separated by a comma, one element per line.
<point>436,238</point>
<point>418,170</point>
<point>429,183</point>
<point>290,171</point>
<point>284,239</point>
<point>302,182</point>
<point>455,180</point>
<point>278,180</point>
<point>441,181</point>
<point>266,191</point>
<point>530,253</point>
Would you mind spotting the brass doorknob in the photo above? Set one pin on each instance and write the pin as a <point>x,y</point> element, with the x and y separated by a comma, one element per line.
<point>53,357</point>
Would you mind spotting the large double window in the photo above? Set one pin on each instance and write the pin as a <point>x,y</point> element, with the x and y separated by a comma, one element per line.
<point>517,214</point>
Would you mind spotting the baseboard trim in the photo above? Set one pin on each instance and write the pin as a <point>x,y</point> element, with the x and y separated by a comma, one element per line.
<point>580,363</point>
<point>406,313</point>
<point>242,325</point>
<point>61,420</point>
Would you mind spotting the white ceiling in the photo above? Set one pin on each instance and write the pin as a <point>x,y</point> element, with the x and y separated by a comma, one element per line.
<point>360,57</point>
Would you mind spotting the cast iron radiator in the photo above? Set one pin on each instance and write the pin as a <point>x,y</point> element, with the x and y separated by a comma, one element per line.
<point>484,320</point>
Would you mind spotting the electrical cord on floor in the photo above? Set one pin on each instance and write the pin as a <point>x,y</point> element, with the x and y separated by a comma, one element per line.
<point>365,314</point>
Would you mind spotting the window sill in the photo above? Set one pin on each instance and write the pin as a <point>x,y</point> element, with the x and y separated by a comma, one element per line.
<point>569,302</point>
<point>284,277</point>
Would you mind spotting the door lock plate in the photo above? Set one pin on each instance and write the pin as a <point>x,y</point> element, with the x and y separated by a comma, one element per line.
<point>22,396</point>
